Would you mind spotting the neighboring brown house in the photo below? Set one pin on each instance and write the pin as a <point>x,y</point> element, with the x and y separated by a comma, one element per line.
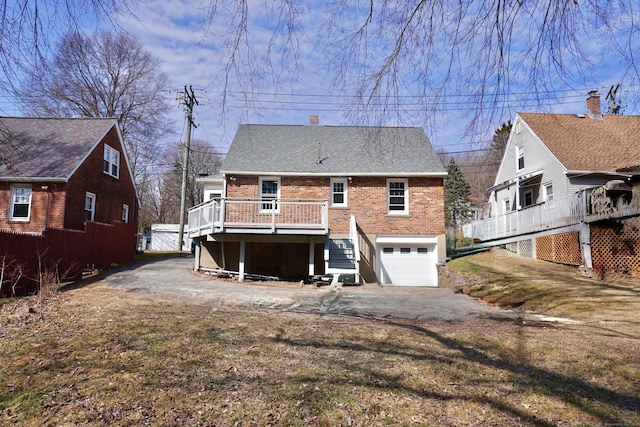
<point>341,201</point>
<point>62,172</point>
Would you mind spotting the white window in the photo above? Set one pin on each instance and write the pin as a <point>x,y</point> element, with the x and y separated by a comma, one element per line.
<point>269,193</point>
<point>528,198</point>
<point>89,207</point>
<point>506,204</point>
<point>397,202</point>
<point>20,207</point>
<point>339,192</point>
<point>111,165</point>
<point>125,213</point>
<point>548,194</point>
<point>520,156</point>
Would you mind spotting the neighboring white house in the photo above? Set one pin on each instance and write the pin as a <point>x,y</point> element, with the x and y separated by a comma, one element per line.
<point>164,237</point>
<point>561,172</point>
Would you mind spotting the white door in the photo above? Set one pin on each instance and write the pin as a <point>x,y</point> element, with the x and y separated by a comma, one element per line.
<point>406,265</point>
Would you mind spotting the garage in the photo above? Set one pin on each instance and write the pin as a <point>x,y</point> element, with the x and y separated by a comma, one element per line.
<point>407,261</point>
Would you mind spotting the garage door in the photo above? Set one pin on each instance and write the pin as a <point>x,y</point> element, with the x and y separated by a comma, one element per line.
<point>405,265</point>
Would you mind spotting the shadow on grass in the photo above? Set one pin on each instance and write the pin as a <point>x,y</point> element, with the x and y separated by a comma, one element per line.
<point>570,390</point>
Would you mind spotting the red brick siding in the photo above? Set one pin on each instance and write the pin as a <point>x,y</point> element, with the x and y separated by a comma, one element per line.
<point>40,215</point>
<point>111,193</point>
<point>367,200</point>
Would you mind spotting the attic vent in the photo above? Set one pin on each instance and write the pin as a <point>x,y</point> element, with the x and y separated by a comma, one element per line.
<point>580,116</point>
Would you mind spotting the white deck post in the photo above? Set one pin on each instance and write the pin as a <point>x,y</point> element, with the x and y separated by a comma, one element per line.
<point>312,248</point>
<point>241,263</point>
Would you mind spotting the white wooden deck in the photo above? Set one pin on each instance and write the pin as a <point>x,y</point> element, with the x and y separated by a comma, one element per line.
<point>278,216</point>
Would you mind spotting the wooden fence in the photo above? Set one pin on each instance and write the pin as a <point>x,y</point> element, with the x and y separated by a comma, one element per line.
<point>65,253</point>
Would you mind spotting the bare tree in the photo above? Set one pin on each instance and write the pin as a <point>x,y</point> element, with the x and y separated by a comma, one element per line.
<point>163,204</point>
<point>106,75</point>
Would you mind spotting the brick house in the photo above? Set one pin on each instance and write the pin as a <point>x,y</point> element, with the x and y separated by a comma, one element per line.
<point>62,172</point>
<point>343,202</point>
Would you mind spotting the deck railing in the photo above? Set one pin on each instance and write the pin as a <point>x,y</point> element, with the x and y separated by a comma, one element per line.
<point>545,216</point>
<point>261,215</point>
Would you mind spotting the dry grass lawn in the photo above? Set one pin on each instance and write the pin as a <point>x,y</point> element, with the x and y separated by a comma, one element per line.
<point>99,356</point>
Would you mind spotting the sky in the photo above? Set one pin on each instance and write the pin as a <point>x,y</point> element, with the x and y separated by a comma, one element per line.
<point>192,52</point>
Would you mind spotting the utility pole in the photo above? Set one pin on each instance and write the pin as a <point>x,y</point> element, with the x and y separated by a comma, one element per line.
<point>188,98</point>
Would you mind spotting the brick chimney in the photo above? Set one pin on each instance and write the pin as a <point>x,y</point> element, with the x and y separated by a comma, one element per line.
<point>313,120</point>
<point>593,105</point>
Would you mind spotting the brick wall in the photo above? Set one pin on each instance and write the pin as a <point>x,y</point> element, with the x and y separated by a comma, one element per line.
<point>367,200</point>
<point>47,208</point>
<point>111,193</point>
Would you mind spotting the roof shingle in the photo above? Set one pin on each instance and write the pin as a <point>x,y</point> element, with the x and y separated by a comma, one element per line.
<point>584,144</point>
<point>47,147</point>
<point>331,150</point>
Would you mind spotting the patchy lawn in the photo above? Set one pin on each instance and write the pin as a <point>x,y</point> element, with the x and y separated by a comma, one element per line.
<point>100,356</point>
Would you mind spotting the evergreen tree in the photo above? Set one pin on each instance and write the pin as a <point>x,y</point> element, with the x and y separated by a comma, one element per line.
<point>457,206</point>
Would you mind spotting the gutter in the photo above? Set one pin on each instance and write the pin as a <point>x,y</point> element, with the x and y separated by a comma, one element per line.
<point>32,179</point>
<point>340,174</point>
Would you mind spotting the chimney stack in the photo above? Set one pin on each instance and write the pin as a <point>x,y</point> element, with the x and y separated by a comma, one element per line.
<point>593,105</point>
<point>313,120</point>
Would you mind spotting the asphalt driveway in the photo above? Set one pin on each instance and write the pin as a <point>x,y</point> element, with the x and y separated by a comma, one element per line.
<point>172,278</point>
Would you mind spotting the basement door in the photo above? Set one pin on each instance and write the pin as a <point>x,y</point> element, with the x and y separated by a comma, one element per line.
<point>408,265</point>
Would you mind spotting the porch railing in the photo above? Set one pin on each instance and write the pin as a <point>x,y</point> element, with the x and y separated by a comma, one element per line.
<point>266,215</point>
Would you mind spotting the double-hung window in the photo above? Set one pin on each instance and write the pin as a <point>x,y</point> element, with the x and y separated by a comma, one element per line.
<point>269,193</point>
<point>125,213</point>
<point>520,156</point>
<point>397,197</point>
<point>548,194</point>
<point>339,192</point>
<point>528,198</point>
<point>20,207</point>
<point>89,207</point>
<point>111,164</point>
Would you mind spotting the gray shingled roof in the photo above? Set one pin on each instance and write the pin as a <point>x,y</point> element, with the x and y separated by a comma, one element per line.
<point>331,150</point>
<point>49,147</point>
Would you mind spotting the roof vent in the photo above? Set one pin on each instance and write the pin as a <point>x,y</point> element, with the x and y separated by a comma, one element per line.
<point>580,116</point>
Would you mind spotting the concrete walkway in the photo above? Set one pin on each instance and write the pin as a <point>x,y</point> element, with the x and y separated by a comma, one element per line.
<point>172,278</point>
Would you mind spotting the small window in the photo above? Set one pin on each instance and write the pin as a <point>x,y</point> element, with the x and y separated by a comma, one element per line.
<point>548,194</point>
<point>338,192</point>
<point>215,195</point>
<point>111,164</point>
<point>506,204</point>
<point>89,207</point>
<point>528,198</point>
<point>423,250</point>
<point>269,193</point>
<point>125,213</point>
<point>405,250</point>
<point>520,156</point>
<point>397,196</point>
<point>20,207</point>
<point>387,250</point>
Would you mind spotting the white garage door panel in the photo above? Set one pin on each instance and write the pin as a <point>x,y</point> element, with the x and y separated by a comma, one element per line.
<point>408,269</point>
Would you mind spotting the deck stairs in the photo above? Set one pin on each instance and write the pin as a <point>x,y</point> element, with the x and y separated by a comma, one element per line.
<point>341,261</point>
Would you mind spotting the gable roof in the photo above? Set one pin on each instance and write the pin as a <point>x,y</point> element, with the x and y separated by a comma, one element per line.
<point>584,144</point>
<point>48,148</point>
<point>331,150</point>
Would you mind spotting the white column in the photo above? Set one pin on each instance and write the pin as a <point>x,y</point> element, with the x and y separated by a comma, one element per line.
<point>241,264</point>
<point>312,254</point>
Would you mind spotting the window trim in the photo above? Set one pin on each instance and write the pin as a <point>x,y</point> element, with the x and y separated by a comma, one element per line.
<point>92,196</point>
<point>519,157</point>
<point>524,198</point>
<point>547,200</point>
<point>261,209</point>
<point>345,192</point>
<point>109,161</point>
<point>125,213</point>
<point>12,203</point>
<point>506,204</point>
<point>405,182</point>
